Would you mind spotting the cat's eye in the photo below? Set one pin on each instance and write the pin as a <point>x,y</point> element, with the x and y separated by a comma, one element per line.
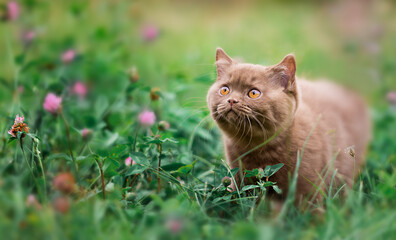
<point>224,91</point>
<point>254,93</point>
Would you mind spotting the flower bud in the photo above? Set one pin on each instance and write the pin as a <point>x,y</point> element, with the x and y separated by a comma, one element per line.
<point>174,225</point>
<point>79,89</point>
<point>31,201</point>
<point>391,97</point>
<point>61,204</point>
<point>86,134</point>
<point>133,74</point>
<point>149,33</point>
<point>65,183</point>
<point>68,56</point>
<point>154,94</point>
<point>226,181</point>
<point>163,125</point>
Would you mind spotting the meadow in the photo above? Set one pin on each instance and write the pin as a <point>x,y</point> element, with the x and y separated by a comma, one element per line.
<point>116,140</point>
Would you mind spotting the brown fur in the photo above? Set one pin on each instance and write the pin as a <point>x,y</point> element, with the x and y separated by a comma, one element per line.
<point>291,107</point>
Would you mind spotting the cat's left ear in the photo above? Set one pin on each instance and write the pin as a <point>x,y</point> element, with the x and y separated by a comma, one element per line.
<point>288,72</point>
<point>223,62</point>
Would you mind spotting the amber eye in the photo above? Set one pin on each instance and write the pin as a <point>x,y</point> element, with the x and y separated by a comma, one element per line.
<point>224,90</point>
<point>254,93</point>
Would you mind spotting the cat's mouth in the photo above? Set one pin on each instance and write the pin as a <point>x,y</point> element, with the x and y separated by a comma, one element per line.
<point>230,111</point>
<point>231,114</point>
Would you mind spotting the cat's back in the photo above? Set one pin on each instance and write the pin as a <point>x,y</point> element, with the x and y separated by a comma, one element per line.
<point>329,99</point>
<point>344,114</point>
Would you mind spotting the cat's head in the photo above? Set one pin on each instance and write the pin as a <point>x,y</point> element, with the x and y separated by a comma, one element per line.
<point>250,101</point>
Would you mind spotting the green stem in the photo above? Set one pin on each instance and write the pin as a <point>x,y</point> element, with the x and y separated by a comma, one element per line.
<point>41,166</point>
<point>30,168</point>
<point>68,140</point>
<point>26,160</point>
<point>159,146</point>
<point>102,179</point>
<point>134,141</point>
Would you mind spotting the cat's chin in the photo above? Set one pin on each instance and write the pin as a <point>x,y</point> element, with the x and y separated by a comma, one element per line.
<point>231,116</point>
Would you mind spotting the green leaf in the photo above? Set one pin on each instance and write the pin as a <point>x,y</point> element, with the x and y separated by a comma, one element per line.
<point>11,140</point>
<point>227,197</point>
<point>32,135</point>
<point>275,168</point>
<point>139,158</point>
<point>221,171</point>
<point>59,156</point>
<point>269,184</point>
<point>158,141</point>
<point>173,166</point>
<point>252,173</point>
<point>266,172</point>
<point>109,169</point>
<point>277,189</point>
<point>234,171</point>
<point>217,200</point>
<point>135,169</point>
<point>85,158</point>
<point>186,169</point>
<point>248,187</point>
<point>116,152</point>
<point>101,104</point>
<point>114,162</point>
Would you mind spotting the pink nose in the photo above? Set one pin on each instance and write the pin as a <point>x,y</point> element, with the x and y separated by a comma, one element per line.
<point>232,101</point>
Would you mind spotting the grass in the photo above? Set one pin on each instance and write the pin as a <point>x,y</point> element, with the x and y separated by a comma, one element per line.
<point>175,190</point>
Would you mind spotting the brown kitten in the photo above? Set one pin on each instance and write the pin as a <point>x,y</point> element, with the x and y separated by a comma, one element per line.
<point>250,103</point>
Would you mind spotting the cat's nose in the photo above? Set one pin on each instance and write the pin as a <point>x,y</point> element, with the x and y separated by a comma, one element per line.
<point>232,101</point>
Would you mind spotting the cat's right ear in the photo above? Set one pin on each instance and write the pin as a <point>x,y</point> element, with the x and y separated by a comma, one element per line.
<point>223,62</point>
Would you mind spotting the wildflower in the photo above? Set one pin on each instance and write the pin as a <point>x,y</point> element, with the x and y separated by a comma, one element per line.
<point>61,204</point>
<point>19,126</point>
<point>391,97</point>
<point>149,33</point>
<point>163,125</point>
<point>351,151</point>
<point>52,103</point>
<point>12,10</point>
<point>174,225</point>
<point>129,162</point>
<point>64,182</point>
<point>226,181</point>
<point>31,200</point>
<point>21,89</point>
<point>86,134</point>
<point>28,37</point>
<point>68,56</point>
<point>79,89</point>
<point>154,94</point>
<point>133,74</point>
<point>147,118</point>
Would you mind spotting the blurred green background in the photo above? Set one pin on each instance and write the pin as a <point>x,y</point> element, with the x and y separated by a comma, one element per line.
<point>171,45</point>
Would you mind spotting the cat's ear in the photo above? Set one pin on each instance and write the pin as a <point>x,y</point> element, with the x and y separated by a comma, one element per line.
<point>287,72</point>
<point>223,62</point>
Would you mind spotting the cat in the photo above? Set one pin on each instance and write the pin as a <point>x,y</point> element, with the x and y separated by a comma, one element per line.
<point>252,104</point>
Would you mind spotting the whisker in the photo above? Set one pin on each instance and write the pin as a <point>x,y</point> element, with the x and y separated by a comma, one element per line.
<point>261,126</point>
<point>251,131</point>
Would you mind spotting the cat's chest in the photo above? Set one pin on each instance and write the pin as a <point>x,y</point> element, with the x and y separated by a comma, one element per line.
<point>260,158</point>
